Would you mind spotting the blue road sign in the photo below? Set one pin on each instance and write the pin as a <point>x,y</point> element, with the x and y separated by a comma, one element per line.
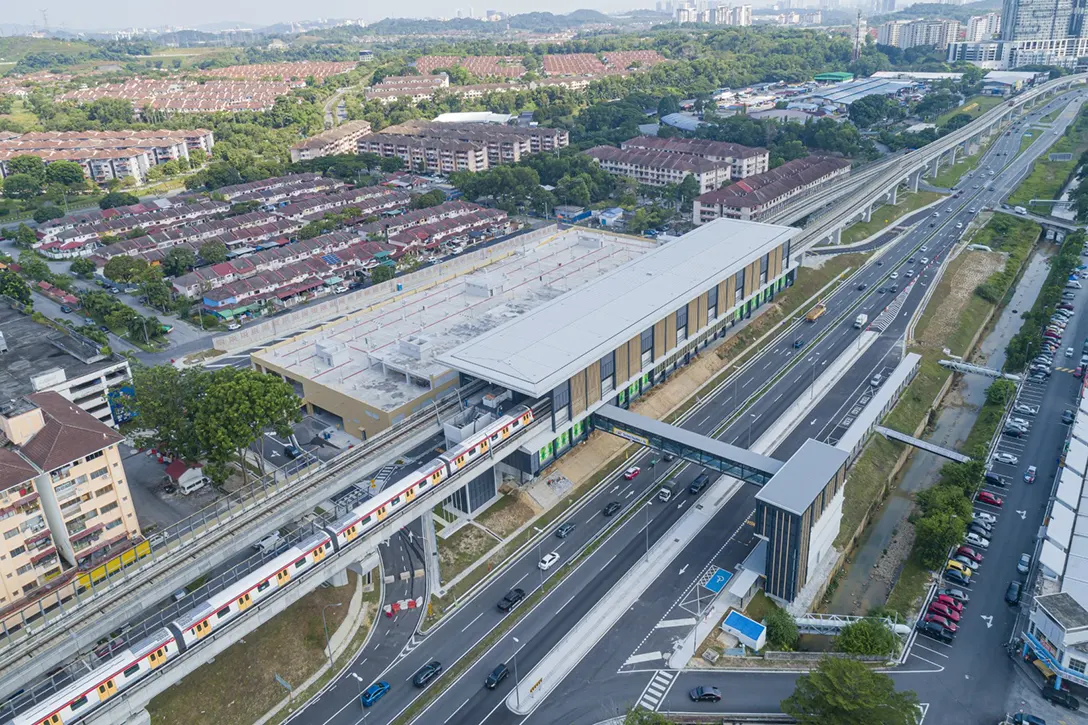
<point>718,579</point>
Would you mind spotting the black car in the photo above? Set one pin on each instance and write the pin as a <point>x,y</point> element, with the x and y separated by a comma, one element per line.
<point>699,483</point>
<point>511,599</point>
<point>1012,594</point>
<point>1013,432</point>
<point>981,528</point>
<point>564,531</point>
<point>292,452</point>
<point>1059,697</point>
<point>798,343</point>
<point>427,673</point>
<point>497,675</point>
<point>1067,417</point>
<point>612,508</point>
<point>893,289</point>
<point>934,631</point>
<point>861,286</point>
<point>705,694</point>
<point>65,309</point>
<point>670,457</point>
<point>881,290</point>
<point>993,479</point>
<point>103,328</point>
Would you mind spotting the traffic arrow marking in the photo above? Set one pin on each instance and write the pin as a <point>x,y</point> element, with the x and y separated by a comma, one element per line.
<point>1023,514</point>
<point>989,620</point>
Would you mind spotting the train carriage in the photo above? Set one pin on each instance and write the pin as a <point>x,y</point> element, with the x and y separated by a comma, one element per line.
<point>103,682</point>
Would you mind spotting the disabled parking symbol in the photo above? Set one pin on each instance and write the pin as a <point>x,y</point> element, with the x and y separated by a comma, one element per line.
<point>716,579</point>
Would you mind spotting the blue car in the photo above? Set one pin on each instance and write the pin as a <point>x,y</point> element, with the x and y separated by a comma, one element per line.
<point>374,693</point>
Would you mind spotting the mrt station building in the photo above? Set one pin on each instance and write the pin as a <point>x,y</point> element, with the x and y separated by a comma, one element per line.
<point>614,338</point>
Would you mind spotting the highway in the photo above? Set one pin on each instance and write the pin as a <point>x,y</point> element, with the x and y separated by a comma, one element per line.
<point>466,701</point>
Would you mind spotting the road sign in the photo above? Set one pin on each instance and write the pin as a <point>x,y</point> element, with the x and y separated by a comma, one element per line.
<point>717,579</point>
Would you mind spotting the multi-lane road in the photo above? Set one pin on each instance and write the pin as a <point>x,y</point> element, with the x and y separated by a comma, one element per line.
<point>601,684</point>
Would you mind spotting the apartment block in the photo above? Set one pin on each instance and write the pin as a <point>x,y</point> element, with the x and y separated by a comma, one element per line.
<point>756,196</point>
<point>983,27</point>
<point>659,168</point>
<point>505,144</point>
<point>64,497</point>
<point>743,161</point>
<point>343,139</point>
<point>415,88</point>
<point>430,155</point>
<point>919,33</point>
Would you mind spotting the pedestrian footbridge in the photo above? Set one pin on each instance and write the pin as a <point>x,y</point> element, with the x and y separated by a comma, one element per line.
<point>894,435</point>
<point>699,449</point>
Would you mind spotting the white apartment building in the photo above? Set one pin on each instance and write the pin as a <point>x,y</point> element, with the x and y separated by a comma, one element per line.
<point>918,33</point>
<point>659,168</point>
<point>983,27</point>
<point>743,160</point>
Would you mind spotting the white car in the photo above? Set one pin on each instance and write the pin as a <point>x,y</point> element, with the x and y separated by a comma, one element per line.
<point>1025,409</point>
<point>1019,422</point>
<point>979,542</point>
<point>548,561</point>
<point>983,516</point>
<point>893,275</point>
<point>923,248</point>
<point>1069,352</point>
<point>925,260</point>
<point>1003,457</point>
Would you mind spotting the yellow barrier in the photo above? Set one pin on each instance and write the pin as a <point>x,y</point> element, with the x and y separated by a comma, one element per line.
<point>114,565</point>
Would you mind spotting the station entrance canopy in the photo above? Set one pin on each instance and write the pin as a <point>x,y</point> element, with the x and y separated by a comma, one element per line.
<point>707,452</point>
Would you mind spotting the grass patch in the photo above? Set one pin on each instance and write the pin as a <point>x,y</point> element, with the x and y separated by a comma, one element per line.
<point>22,115</point>
<point>507,514</point>
<point>1048,177</point>
<point>886,214</point>
<point>1052,116</point>
<point>759,606</point>
<point>910,585</point>
<point>974,107</point>
<point>239,686</point>
<point>461,549</point>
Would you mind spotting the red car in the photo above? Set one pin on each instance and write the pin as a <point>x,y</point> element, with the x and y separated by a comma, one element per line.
<point>631,472</point>
<point>987,497</point>
<point>944,611</point>
<point>1078,372</point>
<point>953,604</point>
<point>938,619</point>
<point>970,554</point>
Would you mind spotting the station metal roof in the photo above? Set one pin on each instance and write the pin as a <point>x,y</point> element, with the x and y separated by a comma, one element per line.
<point>538,350</point>
<point>803,476</point>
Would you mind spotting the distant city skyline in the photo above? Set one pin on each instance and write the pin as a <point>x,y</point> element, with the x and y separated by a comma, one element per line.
<point>119,14</point>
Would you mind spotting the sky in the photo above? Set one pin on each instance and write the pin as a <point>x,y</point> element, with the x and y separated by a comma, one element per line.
<point>115,14</point>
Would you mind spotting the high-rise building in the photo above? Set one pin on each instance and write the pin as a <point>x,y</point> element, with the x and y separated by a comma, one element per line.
<point>983,27</point>
<point>1044,20</point>
<point>918,33</point>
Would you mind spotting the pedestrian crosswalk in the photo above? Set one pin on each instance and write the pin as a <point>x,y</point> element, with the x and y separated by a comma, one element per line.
<point>887,316</point>
<point>657,689</point>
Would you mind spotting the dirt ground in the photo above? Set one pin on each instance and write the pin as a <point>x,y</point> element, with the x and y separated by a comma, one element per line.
<point>976,268</point>
<point>507,515</point>
<point>461,549</point>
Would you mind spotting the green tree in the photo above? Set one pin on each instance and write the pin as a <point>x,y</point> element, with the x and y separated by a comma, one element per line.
<point>32,166</point>
<point>846,692</point>
<point>667,105</point>
<point>123,268</point>
<point>44,213</point>
<point>158,294</point>
<point>640,716</point>
<point>13,286</point>
<point>782,634</point>
<point>21,186</point>
<point>67,173</point>
<point>213,252</point>
<point>687,190</point>
<point>164,399</point>
<point>238,406</point>
<point>82,267</point>
<point>170,168</point>
<point>869,636</point>
<point>1000,392</point>
<point>382,273</point>
<point>934,536</point>
<point>391,164</point>
<point>178,261</point>
<point>434,197</point>
<point>117,198</point>
<point>25,236</point>
<point>34,267</point>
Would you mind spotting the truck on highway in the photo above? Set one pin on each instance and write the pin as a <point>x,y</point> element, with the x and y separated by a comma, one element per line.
<point>1020,210</point>
<point>816,312</point>
<point>666,491</point>
<point>861,321</point>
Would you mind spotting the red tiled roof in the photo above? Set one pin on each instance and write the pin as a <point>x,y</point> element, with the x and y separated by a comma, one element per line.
<point>69,433</point>
<point>14,470</point>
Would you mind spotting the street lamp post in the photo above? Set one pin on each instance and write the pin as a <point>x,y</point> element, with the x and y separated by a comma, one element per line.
<point>517,682</point>
<point>326,628</point>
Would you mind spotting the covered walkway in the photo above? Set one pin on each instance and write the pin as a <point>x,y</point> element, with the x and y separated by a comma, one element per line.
<point>895,435</point>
